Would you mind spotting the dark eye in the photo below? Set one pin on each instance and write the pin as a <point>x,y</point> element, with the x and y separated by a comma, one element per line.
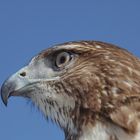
<point>62,59</point>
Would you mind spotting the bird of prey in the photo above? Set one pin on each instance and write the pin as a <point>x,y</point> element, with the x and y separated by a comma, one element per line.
<point>91,89</point>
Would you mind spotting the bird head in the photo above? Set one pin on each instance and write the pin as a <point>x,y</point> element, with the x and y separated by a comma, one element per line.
<point>71,81</point>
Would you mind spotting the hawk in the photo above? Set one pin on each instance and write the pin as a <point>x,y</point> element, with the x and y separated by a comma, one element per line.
<point>91,89</point>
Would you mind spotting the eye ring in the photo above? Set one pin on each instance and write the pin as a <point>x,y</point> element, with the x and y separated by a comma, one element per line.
<point>62,59</point>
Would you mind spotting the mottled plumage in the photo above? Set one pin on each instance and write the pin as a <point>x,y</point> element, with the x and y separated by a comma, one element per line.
<point>90,89</point>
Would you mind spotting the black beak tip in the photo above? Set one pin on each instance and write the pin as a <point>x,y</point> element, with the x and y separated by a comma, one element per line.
<point>4,95</point>
<point>4,99</point>
<point>5,102</point>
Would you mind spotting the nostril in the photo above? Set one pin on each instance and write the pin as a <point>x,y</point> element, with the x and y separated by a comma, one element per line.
<point>23,74</point>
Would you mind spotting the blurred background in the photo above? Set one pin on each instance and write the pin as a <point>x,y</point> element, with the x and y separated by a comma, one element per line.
<point>29,26</point>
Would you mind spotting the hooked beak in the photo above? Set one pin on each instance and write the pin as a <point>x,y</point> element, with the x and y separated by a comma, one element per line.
<point>14,86</point>
<point>26,81</point>
<point>6,91</point>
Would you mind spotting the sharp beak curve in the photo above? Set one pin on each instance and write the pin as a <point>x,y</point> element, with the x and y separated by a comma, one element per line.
<point>11,86</point>
<point>6,91</point>
<point>24,82</point>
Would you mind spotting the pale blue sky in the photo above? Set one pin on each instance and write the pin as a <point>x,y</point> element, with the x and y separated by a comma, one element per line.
<point>28,26</point>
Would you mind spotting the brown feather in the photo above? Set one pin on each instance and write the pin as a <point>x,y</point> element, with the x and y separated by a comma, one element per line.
<point>97,95</point>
